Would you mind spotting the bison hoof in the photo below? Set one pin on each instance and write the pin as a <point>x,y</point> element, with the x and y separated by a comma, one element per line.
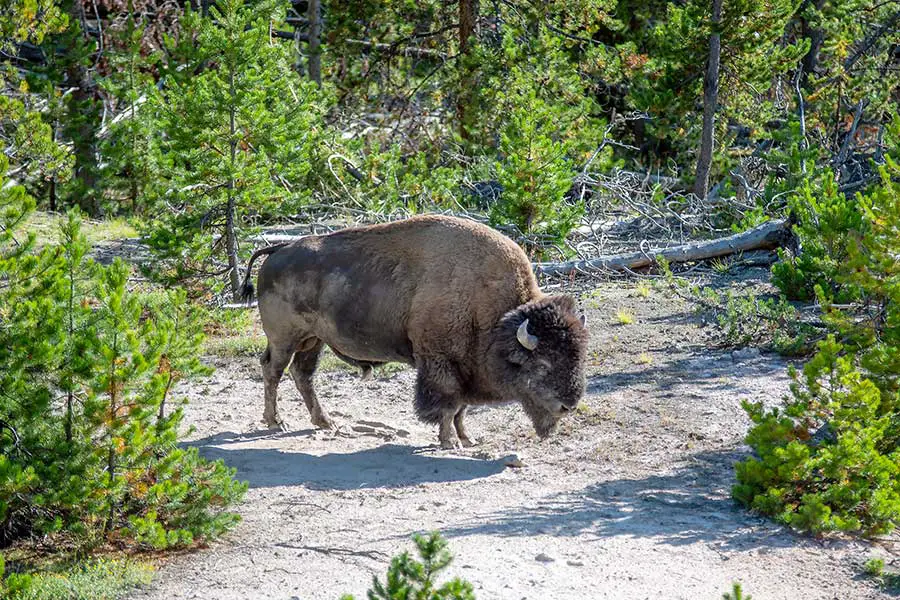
<point>273,421</point>
<point>323,422</point>
<point>450,444</point>
<point>466,442</point>
<point>365,373</point>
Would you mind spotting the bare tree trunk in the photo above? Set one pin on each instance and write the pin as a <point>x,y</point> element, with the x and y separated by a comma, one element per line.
<point>468,19</point>
<point>314,14</point>
<point>710,98</point>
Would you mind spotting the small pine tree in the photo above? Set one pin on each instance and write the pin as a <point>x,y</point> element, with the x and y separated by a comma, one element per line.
<point>828,223</point>
<point>241,134</point>
<point>736,593</point>
<point>409,579</point>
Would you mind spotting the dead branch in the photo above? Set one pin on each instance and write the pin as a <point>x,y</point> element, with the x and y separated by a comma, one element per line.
<point>394,49</point>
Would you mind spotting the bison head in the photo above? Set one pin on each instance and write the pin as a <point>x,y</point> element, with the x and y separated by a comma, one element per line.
<point>538,357</point>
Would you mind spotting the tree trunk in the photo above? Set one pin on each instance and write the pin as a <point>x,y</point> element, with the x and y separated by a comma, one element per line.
<point>82,120</point>
<point>468,19</point>
<point>810,60</point>
<point>710,98</point>
<point>314,14</point>
<point>769,235</point>
<point>231,245</point>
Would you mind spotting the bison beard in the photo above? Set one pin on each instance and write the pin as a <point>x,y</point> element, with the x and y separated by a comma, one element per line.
<point>451,297</point>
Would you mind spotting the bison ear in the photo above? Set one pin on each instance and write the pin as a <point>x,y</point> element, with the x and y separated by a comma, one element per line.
<point>517,357</point>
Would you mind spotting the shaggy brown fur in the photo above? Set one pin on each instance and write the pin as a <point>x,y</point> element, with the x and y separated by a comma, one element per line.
<point>445,295</point>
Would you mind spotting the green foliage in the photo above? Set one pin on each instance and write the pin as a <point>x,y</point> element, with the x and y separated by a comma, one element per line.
<point>889,580</point>
<point>671,54</point>
<point>749,319</point>
<point>241,136</point>
<point>829,458</point>
<point>86,444</point>
<point>96,579</point>
<point>134,164</point>
<point>409,579</point>
<point>736,593</point>
<point>825,460</point>
<point>828,225</point>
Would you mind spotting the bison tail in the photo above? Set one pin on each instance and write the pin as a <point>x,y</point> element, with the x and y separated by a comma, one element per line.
<point>247,289</point>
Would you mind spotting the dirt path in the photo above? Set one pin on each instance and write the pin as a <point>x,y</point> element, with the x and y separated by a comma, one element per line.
<point>630,500</point>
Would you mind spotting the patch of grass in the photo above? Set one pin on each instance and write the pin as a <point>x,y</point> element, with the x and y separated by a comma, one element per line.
<point>594,299</point>
<point>643,289</point>
<point>93,579</point>
<point>252,343</point>
<point>624,316</point>
<point>235,346</point>
<point>46,227</point>
<point>720,265</point>
<point>874,567</point>
<point>644,359</point>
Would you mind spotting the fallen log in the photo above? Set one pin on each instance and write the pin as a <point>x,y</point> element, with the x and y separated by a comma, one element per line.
<point>769,235</point>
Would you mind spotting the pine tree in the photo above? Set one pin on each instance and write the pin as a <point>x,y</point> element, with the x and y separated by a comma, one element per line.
<point>241,133</point>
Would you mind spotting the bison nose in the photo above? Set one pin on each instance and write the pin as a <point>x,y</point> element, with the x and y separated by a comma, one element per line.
<point>564,408</point>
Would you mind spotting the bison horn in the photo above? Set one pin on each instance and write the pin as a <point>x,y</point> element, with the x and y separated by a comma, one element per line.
<point>525,338</point>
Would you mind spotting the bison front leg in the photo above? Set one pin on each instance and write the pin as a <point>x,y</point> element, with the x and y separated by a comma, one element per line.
<point>464,438</point>
<point>438,399</point>
<point>273,361</point>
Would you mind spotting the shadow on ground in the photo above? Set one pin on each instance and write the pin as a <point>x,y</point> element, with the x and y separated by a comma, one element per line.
<point>384,466</point>
<point>692,504</point>
<point>709,372</point>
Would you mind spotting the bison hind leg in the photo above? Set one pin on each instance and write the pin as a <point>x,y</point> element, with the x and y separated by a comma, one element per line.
<point>303,367</point>
<point>273,361</point>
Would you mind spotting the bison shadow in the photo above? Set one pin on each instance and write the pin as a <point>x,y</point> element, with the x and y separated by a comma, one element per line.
<point>385,466</point>
<point>692,504</point>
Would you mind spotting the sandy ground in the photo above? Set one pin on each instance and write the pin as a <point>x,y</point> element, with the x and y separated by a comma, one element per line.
<point>629,500</point>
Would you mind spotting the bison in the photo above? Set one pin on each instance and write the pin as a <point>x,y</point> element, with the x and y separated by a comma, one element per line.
<point>453,298</point>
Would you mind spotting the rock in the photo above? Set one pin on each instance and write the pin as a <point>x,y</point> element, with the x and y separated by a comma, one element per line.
<point>513,461</point>
<point>544,558</point>
<point>574,563</point>
<point>745,354</point>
